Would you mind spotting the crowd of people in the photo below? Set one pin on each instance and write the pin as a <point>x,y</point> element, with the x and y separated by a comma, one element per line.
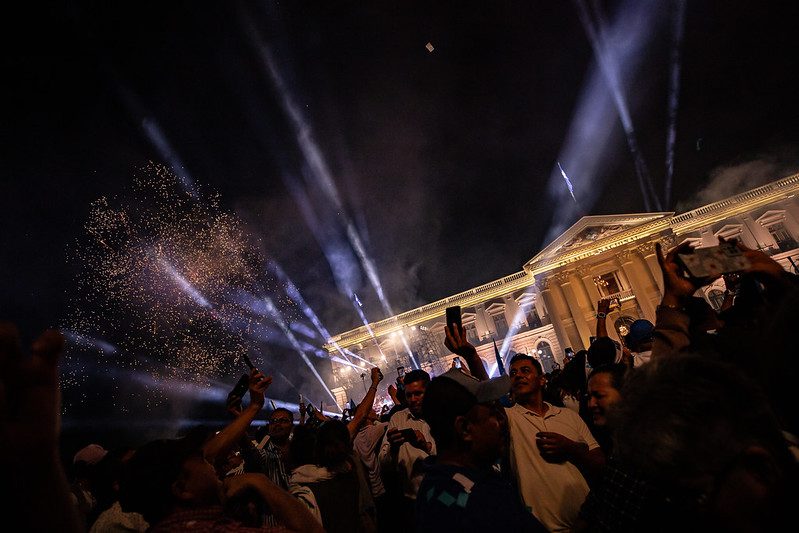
<point>685,424</point>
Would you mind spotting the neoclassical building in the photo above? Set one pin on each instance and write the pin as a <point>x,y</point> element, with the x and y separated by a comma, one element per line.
<point>550,305</point>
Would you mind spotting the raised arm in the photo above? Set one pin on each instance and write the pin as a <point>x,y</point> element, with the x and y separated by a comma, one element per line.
<point>602,309</point>
<point>233,432</point>
<point>366,404</point>
<point>288,510</point>
<point>456,343</point>
<point>36,488</point>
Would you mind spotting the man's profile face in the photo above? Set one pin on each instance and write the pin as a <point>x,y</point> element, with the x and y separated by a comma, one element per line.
<point>414,394</point>
<point>525,379</point>
<point>489,432</point>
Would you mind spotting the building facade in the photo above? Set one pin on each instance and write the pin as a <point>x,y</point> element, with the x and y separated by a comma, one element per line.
<point>550,305</point>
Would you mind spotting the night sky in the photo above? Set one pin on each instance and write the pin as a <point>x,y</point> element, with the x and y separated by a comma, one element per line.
<point>443,160</point>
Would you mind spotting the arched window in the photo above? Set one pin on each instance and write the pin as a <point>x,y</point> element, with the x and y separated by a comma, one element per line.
<point>622,325</point>
<point>543,352</point>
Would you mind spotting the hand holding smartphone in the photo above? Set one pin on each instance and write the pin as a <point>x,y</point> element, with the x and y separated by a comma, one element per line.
<point>454,317</point>
<point>706,264</point>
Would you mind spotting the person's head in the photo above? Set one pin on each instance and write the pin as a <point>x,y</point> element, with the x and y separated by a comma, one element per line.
<point>332,444</point>
<point>601,352</point>
<point>639,339</point>
<point>371,417</point>
<point>527,377</point>
<point>604,391</point>
<point>281,422</point>
<point>704,433</point>
<point>460,423</point>
<point>165,474</point>
<point>414,384</point>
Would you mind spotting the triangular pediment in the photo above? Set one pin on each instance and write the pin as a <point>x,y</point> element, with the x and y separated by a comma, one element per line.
<point>590,229</point>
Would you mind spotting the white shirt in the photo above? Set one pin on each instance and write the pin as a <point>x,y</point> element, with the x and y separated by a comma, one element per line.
<point>553,492</point>
<point>364,444</point>
<point>409,458</point>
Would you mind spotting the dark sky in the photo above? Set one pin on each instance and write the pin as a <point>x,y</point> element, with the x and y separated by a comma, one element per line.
<point>443,160</point>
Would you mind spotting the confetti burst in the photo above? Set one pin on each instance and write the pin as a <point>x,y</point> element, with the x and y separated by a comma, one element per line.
<point>160,275</point>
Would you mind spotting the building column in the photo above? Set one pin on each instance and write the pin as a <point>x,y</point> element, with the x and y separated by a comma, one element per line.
<point>760,234</point>
<point>649,253</point>
<point>483,323</point>
<point>554,311</point>
<point>566,279</point>
<point>540,308</point>
<point>587,277</point>
<point>635,276</point>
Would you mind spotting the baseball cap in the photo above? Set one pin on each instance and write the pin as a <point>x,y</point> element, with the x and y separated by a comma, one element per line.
<point>640,331</point>
<point>483,391</point>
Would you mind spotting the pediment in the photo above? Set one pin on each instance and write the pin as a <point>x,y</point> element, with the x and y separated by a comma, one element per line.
<point>771,217</point>
<point>590,229</point>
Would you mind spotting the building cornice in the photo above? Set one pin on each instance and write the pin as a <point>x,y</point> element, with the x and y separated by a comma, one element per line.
<point>663,228</point>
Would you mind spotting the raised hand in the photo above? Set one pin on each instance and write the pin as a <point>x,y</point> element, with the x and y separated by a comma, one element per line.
<point>456,341</point>
<point>377,376</point>
<point>258,385</point>
<point>676,287</point>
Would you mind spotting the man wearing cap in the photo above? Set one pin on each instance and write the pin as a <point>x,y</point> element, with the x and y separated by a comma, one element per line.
<point>552,451</point>
<point>461,491</point>
<point>639,341</point>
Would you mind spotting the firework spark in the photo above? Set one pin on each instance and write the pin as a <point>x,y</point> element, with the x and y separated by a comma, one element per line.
<point>159,274</point>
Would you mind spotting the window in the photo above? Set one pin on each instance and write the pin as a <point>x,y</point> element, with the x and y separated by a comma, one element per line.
<point>501,324</point>
<point>471,334</point>
<point>607,284</point>
<point>533,319</point>
<point>622,325</point>
<point>543,352</point>
<point>784,239</point>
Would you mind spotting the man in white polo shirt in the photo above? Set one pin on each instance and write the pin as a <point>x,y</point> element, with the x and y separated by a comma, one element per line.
<point>552,451</point>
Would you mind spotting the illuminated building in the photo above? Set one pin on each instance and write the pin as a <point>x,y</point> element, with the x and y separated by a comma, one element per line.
<point>550,305</point>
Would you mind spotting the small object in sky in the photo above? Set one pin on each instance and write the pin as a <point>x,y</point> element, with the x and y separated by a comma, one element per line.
<point>568,182</point>
<point>429,47</point>
<point>699,144</point>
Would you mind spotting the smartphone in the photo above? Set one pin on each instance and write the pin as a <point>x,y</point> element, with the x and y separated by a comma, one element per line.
<point>408,435</point>
<point>400,372</point>
<point>712,262</point>
<point>239,390</point>
<point>458,362</point>
<point>454,316</point>
<point>247,361</point>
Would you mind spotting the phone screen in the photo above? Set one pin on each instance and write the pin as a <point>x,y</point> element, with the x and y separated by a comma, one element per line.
<point>714,261</point>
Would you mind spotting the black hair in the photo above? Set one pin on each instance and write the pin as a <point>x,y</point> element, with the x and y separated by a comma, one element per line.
<point>525,357</point>
<point>616,371</point>
<point>601,352</point>
<point>284,410</point>
<point>332,444</point>
<point>416,375</point>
